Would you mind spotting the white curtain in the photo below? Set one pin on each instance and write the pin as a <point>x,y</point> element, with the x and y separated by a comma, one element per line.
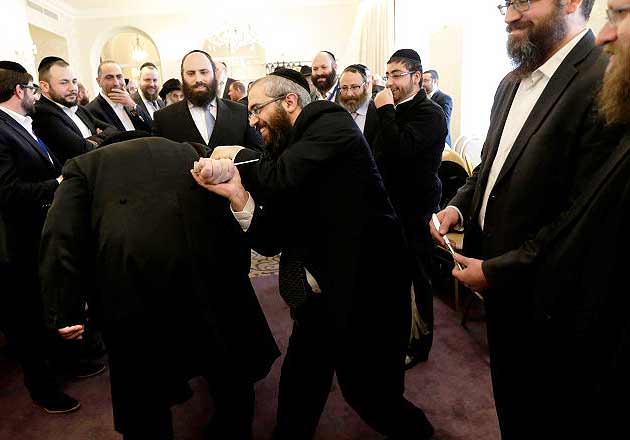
<point>376,33</point>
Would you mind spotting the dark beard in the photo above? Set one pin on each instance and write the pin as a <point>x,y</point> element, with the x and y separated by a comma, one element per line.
<point>28,107</point>
<point>326,86</point>
<point>530,51</point>
<point>200,98</point>
<point>614,97</point>
<point>279,127</point>
<point>61,100</point>
<point>353,104</point>
<point>150,97</point>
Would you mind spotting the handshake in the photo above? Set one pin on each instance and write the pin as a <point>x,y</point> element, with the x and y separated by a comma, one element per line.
<point>219,168</point>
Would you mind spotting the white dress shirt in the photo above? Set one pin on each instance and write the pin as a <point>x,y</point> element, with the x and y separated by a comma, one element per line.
<point>529,91</point>
<point>71,112</point>
<point>360,115</point>
<point>148,104</point>
<point>199,116</point>
<point>24,121</point>
<point>119,109</point>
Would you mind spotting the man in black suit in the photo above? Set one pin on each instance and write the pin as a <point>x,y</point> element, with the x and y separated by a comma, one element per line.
<point>355,96</point>
<point>223,81</point>
<point>114,104</point>
<point>430,84</point>
<point>147,96</point>
<point>342,268</point>
<point>408,152</point>
<point>67,128</point>
<point>543,143</point>
<point>29,176</point>
<point>165,270</point>
<point>203,117</point>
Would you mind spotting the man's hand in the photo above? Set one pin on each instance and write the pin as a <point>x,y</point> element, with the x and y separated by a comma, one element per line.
<point>384,97</point>
<point>448,217</point>
<point>232,190</point>
<point>225,152</point>
<point>72,333</point>
<point>122,97</point>
<point>472,276</point>
<point>213,171</point>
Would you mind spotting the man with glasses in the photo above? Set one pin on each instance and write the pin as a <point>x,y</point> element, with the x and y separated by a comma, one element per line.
<point>67,128</point>
<point>355,95</point>
<point>408,152</point>
<point>342,268</point>
<point>203,117</point>
<point>543,144</point>
<point>29,177</point>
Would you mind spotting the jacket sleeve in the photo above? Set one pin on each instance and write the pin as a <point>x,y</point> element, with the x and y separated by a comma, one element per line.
<point>14,191</point>
<point>64,142</point>
<point>64,252</point>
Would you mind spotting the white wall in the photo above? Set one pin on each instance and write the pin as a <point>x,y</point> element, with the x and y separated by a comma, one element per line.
<point>16,41</point>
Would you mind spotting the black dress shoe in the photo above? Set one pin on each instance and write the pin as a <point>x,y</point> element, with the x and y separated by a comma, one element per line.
<point>87,369</point>
<point>58,403</point>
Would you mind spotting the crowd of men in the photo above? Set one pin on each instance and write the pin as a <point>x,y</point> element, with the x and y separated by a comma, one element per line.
<point>102,226</point>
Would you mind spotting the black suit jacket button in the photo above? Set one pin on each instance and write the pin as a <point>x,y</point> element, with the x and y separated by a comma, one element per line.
<point>123,201</point>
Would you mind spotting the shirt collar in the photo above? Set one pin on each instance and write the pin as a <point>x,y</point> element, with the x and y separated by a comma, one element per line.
<point>21,119</point>
<point>433,92</point>
<point>406,99</point>
<point>363,109</point>
<point>552,64</point>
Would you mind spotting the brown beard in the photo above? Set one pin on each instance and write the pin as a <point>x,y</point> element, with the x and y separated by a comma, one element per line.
<point>352,104</point>
<point>278,128</point>
<point>200,98</point>
<point>530,51</point>
<point>614,97</point>
<point>62,100</point>
<point>330,80</point>
<point>150,97</point>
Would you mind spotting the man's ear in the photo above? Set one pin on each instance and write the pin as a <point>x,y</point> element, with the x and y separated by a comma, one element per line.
<point>44,86</point>
<point>291,102</point>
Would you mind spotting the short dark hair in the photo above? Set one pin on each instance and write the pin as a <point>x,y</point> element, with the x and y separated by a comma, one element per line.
<point>44,73</point>
<point>214,67</point>
<point>357,68</point>
<point>410,65</point>
<point>9,79</point>
<point>239,86</point>
<point>101,64</point>
<point>434,74</point>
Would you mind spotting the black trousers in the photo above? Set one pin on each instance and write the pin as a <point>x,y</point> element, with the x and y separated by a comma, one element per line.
<point>370,372</point>
<point>21,320</point>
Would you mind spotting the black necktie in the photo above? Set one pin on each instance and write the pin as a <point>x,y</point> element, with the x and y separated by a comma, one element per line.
<point>292,279</point>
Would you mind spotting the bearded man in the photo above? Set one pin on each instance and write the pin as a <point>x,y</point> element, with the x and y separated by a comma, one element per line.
<point>355,95</point>
<point>324,76</point>
<point>67,128</point>
<point>543,144</point>
<point>202,117</point>
<point>342,268</point>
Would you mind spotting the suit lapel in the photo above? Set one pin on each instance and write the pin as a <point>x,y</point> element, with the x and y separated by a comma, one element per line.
<point>83,115</point>
<point>110,113</point>
<point>21,132</point>
<point>187,122</point>
<point>545,104</point>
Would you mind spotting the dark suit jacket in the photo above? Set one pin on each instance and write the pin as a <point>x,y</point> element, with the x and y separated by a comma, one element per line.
<point>372,125</point>
<point>446,102</point>
<point>231,127</point>
<point>27,185</point>
<point>142,108</point>
<point>327,178</point>
<point>160,258</point>
<point>559,147</point>
<point>61,134</point>
<point>100,108</point>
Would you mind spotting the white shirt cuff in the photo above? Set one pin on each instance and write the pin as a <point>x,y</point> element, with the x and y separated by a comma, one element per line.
<point>244,217</point>
<point>459,227</point>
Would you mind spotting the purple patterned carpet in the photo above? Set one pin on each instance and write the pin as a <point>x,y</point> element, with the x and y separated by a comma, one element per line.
<point>453,387</point>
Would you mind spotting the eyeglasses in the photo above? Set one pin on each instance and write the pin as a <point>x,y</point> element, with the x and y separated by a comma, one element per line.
<point>354,88</point>
<point>33,87</point>
<point>519,5</point>
<point>256,109</point>
<point>396,75</point>
<point>615,15</point>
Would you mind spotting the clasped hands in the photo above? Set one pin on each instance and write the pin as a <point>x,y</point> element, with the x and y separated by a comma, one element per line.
<point>219,167</point>
<point>472,275</point>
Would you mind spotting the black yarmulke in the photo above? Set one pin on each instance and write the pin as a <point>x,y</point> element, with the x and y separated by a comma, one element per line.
<point>13,66</point>
<point>47,61</point>
<point>292,75</point>
<point>410,54</point>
